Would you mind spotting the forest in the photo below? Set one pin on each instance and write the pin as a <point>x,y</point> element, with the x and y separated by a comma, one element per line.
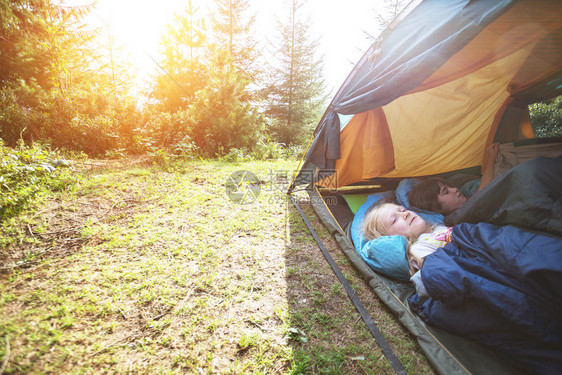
<point>64,88</point>
<point>64,84</point>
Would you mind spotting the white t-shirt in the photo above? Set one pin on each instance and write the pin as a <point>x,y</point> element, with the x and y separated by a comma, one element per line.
<point>426,244</point>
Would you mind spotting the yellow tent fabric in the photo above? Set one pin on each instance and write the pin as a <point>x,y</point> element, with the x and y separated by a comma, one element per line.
<point>446,122</point>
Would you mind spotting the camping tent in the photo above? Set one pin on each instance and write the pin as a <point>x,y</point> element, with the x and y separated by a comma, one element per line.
<point>443,80</point>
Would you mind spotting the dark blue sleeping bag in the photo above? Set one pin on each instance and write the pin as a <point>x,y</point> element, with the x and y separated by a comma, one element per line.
<point>501,286</point>
<point>528,195</point>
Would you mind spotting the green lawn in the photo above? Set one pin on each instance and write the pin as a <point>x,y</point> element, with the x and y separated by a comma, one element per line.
<point>144,269</point>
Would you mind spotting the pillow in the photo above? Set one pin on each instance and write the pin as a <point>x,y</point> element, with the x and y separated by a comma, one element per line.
<point>354,201</point>
<point>402,191</point>
<point>387,254</point>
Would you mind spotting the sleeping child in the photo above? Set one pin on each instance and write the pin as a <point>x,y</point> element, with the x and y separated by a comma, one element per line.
<point>528,195</point>
<point>437,195</point>
<point>387,219</point>
<point>498,285</point>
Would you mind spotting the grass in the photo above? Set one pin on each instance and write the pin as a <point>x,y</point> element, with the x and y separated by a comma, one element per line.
<point>151,270</point>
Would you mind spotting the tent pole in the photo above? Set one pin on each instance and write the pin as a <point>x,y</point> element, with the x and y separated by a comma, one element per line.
<point>379,338</point>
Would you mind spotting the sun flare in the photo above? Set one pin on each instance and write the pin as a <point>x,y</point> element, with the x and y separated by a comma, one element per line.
<point>136,28</point>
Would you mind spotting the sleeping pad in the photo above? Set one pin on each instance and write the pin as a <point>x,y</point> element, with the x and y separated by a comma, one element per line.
<point>500,286</point>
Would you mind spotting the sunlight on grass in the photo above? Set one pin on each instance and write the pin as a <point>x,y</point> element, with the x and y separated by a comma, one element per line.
<point>173,277</point>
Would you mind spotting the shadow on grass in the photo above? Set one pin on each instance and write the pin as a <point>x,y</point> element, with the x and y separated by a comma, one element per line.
<point>326,332</point>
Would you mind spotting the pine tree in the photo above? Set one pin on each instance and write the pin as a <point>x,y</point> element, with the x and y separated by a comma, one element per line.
<point>224,118</point>
<point>41,66</point>
<point>233,32</point>
<point>184,71</point>
<point>206,85</point>
<point>296,92</point>
<point>53,86</point>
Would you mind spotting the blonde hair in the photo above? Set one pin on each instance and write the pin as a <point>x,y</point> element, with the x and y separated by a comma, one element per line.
<point>372,228</point>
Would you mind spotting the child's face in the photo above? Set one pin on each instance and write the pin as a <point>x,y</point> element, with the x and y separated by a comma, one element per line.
<point>450,198</point>
<point>396,220</point>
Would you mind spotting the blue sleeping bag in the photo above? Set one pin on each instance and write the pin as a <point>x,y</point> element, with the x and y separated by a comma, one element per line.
<point>501,286</point>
